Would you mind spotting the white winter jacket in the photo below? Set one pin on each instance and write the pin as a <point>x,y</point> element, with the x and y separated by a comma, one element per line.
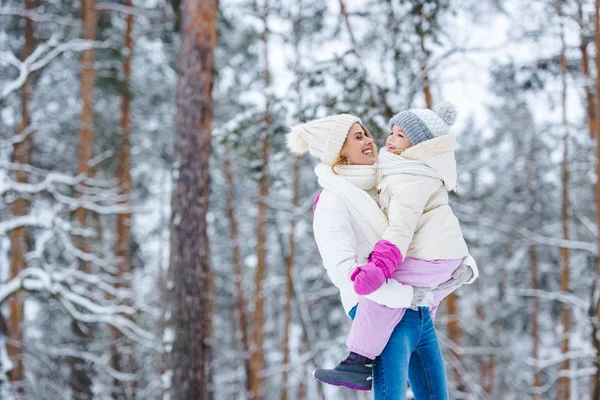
<point>413,193</point>
<point>345,242</point>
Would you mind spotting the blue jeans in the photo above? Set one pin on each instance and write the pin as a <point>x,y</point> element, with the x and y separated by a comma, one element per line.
<point>412,354</point>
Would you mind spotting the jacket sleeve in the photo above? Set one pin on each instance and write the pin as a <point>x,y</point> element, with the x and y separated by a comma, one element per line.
<point>393,294</point>
<point>409,195</point>
<point>469,261</point>
<point>336,241</point>
<point>337,244</point>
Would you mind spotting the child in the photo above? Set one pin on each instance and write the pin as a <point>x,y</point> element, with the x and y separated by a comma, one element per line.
<point>423,245</point>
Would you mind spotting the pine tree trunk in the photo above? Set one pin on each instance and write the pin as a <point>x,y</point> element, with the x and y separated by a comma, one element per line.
<point>18,236</point>
<point>289,263</point>
<point>454,334</point>
<point>596,394</point>
<point>585,71</point>
<point>256,351</point>
<point>563,383</point>
<point>301,393</point>
<point>80,380</point>
<point>237,263</point>
<point>191,274</point>
<point>589,97</point>
<point>533,266</point>
<point>86,135</point>
<point>124,362</point>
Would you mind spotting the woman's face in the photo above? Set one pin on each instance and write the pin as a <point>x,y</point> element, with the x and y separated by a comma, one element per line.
<point>359,148</point>
<point>397,141</point>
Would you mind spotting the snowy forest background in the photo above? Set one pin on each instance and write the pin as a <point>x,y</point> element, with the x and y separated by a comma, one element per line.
<point>109,290</point>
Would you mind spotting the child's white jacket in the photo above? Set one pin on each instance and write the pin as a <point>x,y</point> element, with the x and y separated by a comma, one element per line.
<point>413,193</point>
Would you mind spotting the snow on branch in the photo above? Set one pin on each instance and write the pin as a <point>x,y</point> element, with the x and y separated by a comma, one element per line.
<point>136,11</point>
<point>100,362</point>
<point>41,57</point>
<point>39,16</point>
<point>561,297</point>
<point>79,307</point>
<point>15,139</point>
<point>101,200</point>
<point>467,214</point>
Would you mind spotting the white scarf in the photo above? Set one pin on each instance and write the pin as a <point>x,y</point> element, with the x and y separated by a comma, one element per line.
<point>362,176</point>
<point>350,186</point>
<point>391,164</point>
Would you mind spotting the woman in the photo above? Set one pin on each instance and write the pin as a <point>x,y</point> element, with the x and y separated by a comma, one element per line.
<point>347,224</point>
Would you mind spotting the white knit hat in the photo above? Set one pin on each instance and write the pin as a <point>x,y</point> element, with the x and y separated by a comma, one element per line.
<point>323,137</point>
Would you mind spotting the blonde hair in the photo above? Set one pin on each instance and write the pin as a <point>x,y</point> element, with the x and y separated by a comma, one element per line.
<point>341,160</point>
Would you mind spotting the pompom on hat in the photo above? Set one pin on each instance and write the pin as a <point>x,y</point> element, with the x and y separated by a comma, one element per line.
<point>323,137</point>
<point>421,124</point>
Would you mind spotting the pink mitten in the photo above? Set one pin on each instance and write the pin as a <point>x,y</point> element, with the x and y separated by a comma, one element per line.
<point>386,256</point>
<point>367,278</point>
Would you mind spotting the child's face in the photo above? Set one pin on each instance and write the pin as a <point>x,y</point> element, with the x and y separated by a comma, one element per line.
<point>397,141</point>
<point>359,148</point>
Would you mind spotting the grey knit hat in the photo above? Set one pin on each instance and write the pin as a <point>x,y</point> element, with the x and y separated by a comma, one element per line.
<point>421,124</point>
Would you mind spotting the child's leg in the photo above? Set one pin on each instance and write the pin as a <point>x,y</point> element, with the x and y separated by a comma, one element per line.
<point>372,328</point>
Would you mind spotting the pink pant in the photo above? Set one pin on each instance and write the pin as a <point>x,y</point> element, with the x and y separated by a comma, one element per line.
<point>373,323</point>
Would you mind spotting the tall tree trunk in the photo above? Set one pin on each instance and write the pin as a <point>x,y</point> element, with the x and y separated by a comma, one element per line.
<point>585,71</point>
<point>80,380</point>
<point>257,360</point>
<point>455,334</point>
<point>596,394</point>
<point>563,384</point>
<point>535,333</point>
<point>125,362</point>
<point>192,278</point>
<point>18,236</point>
<point>589,97</point>
<point>291,254</point>
<point>237,262</point>
<point>532,181</point>
<point>301,394</point>
<point>289,263</point>
<point>86,135</point>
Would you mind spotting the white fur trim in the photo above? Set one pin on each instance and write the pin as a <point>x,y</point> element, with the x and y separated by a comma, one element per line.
<point>428,148</point>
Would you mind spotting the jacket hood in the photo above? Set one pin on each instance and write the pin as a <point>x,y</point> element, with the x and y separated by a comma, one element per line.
<point>438,154</point>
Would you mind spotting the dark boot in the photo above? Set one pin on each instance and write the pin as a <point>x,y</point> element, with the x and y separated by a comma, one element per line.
<point>355,372</point>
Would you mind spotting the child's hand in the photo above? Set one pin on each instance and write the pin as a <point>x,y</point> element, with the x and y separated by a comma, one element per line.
<point>367,278</point>
<point>386,256</point>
